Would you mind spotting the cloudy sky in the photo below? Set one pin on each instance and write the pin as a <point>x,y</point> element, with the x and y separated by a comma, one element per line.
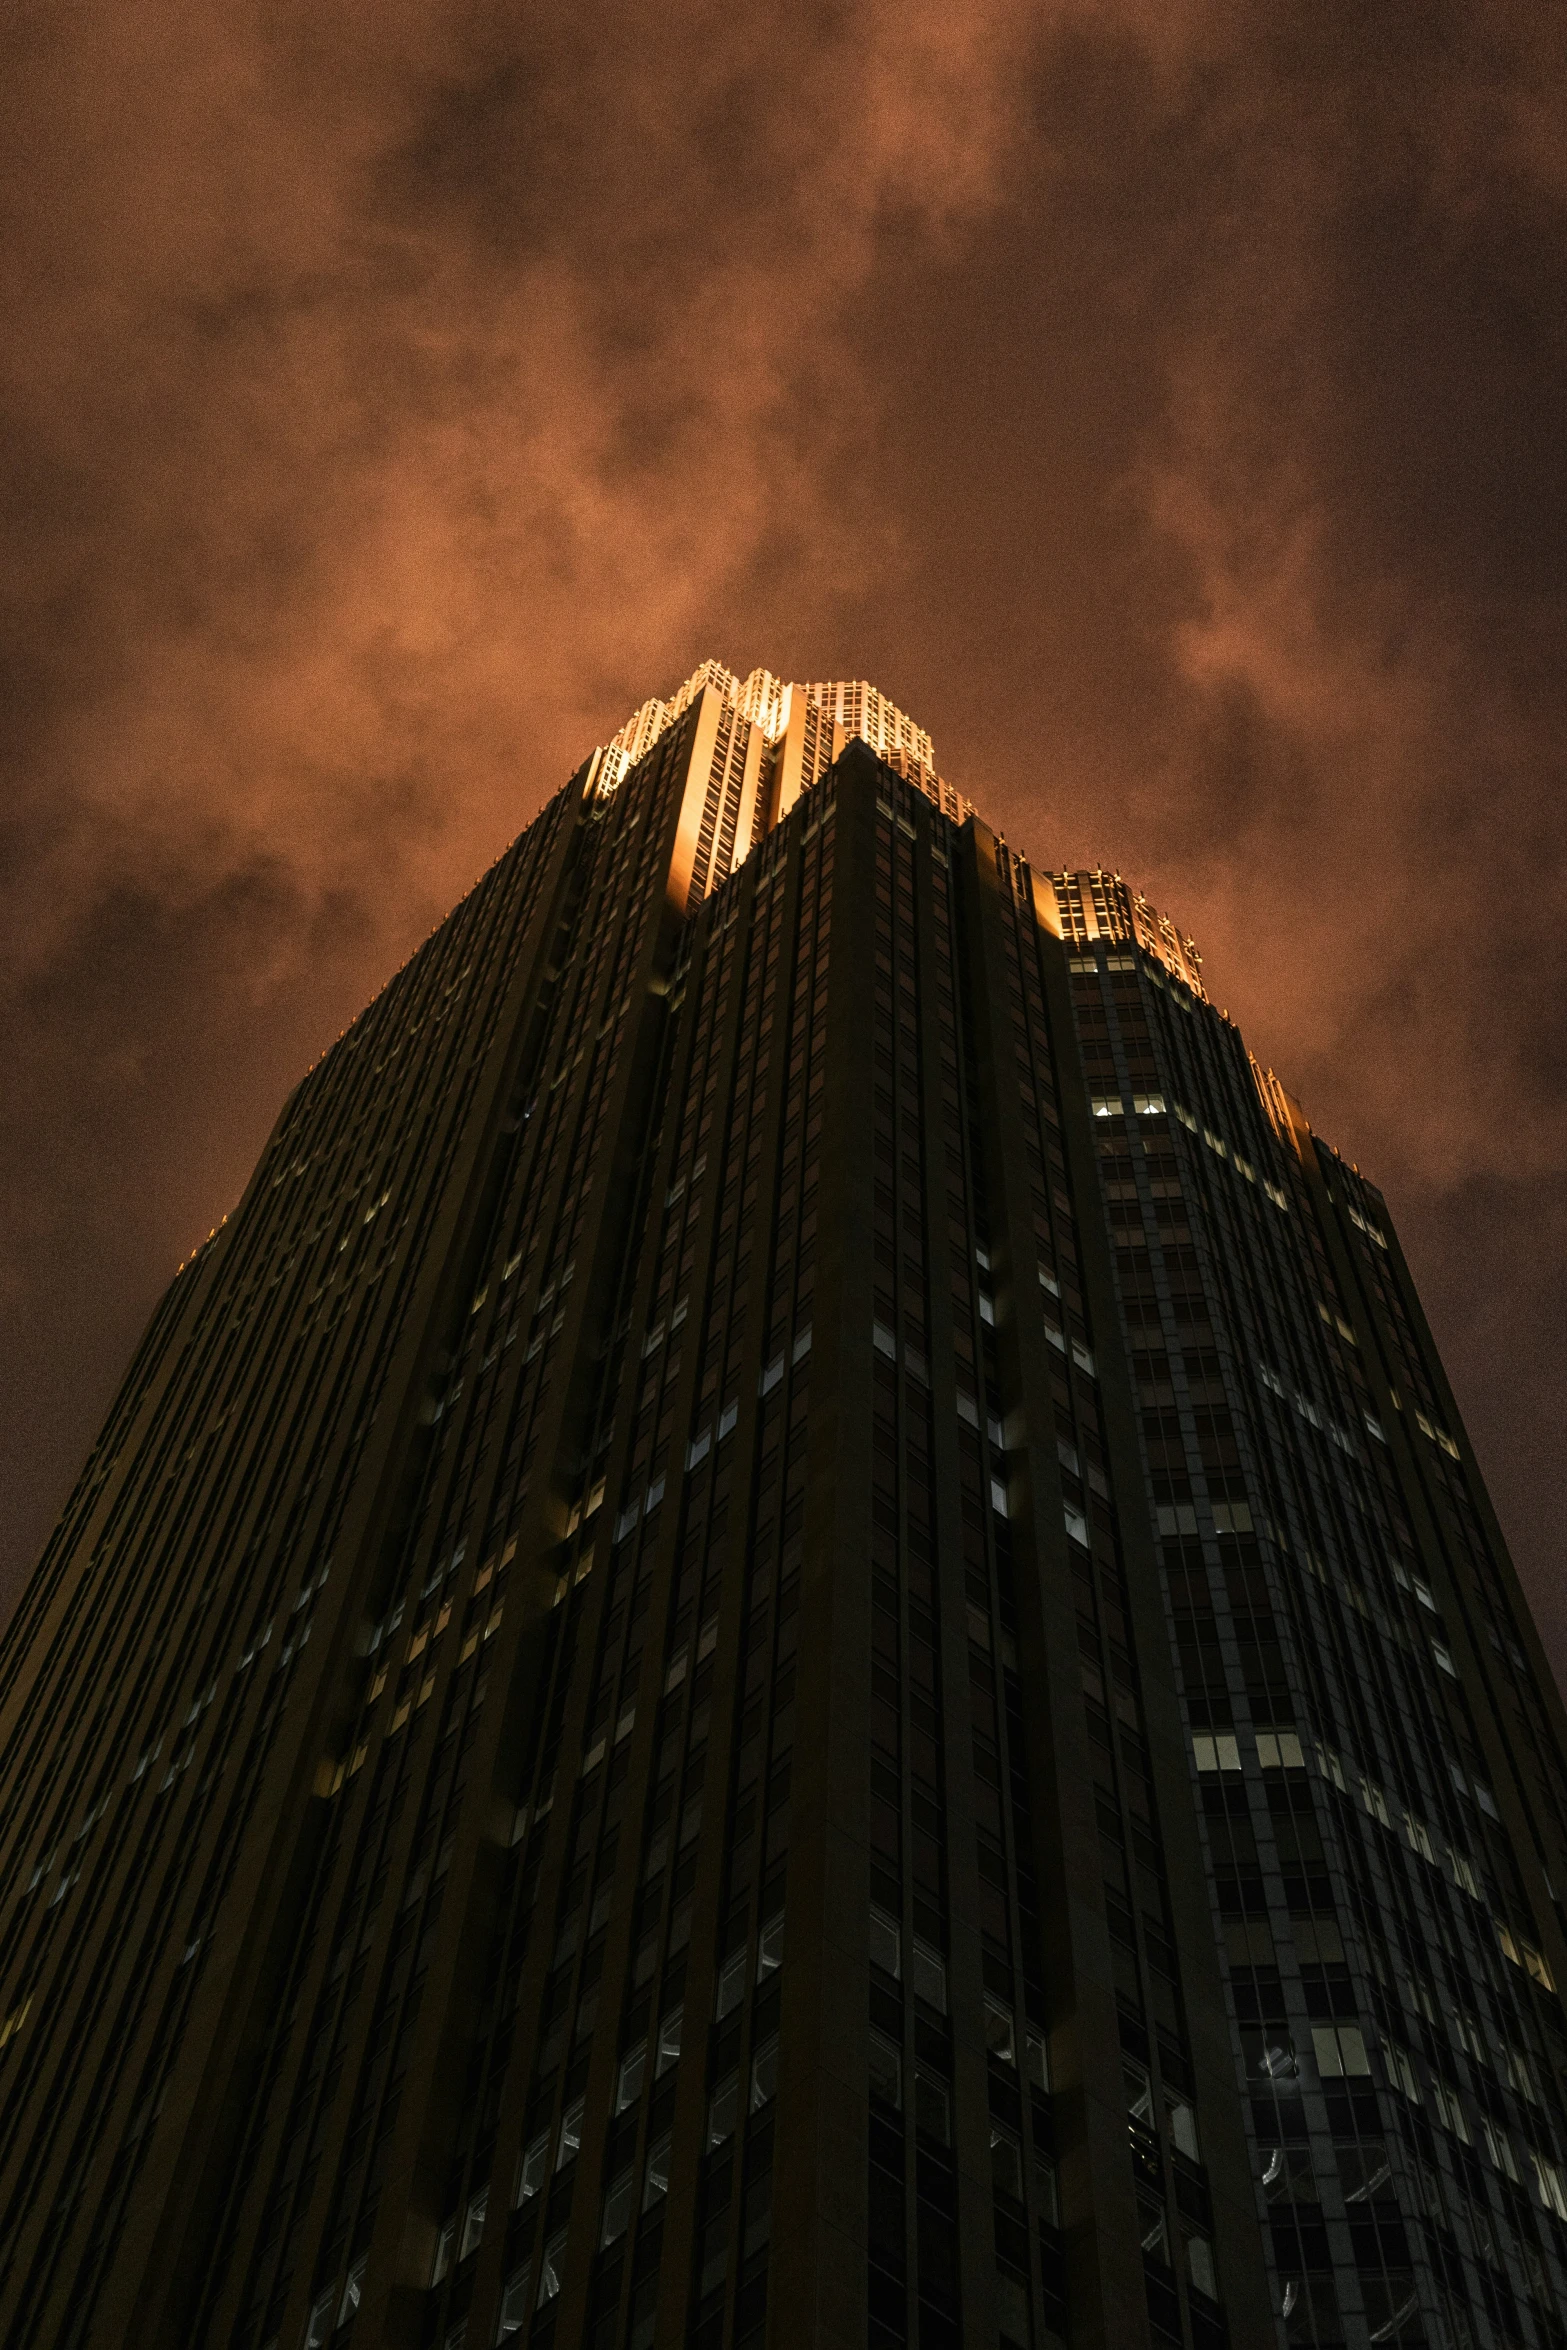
<point>1164,402</point>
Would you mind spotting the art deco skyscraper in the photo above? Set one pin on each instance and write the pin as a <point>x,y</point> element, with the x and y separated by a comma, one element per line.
<point>790,1641</point>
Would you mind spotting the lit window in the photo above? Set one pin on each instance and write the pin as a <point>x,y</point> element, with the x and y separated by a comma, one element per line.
<point>1400,2067</point>
<point>473,2223</point>
<point>1448,2110</point>
<point>514,2305</point>
<point>570,2134</point>
<point>628,2082</point>
<point>533,2168</point>
<point>553,2268</point>
<point>353,2290</point>
<point>1000,2031</point>
<point>656,2179</point>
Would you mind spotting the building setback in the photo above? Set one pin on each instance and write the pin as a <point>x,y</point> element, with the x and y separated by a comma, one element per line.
<point>791,1641</point>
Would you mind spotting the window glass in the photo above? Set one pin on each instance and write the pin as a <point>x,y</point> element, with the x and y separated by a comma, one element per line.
<point>721,2111</point>
<point>668,2042</point>
<point>1006,2162</point>
<point>353,2290</point>
<point>886,1943</point>
<point>533,2167</point>
<point>886,2071</point>
<point>552,2268</point>
<point>473,2223</point>
<point>570,2134</point>
<point>628,2084</point>
<point>1046,2191</point>
<point>932,2108</point>
<point>514,2305</point>
<point>656,2181</point>
<point>617,2209</point>
<point>731,1983</point>
<point>1000,2031</point>
<point>928,1975</point>
<point>764,2074</point>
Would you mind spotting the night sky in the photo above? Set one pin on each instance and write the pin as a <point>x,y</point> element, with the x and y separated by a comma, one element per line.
<point>1163,403</point>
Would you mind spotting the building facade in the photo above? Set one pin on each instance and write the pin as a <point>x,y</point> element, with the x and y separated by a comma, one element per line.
<point>791,1641</point>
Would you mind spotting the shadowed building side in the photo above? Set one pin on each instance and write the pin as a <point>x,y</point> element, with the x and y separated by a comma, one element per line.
<point>790,1640</point>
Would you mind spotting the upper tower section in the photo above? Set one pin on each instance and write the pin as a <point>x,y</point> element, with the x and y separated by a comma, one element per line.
<point>800,730</point>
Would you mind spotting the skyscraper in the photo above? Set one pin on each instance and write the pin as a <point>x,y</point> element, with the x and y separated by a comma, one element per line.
<point>790,1641</point>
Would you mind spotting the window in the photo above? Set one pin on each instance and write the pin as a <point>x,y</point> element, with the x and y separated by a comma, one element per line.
<point>514,2305</point>
<point>721,2111</point>
<point>1047,2193</point>
<point>1199,2266</point>
<point>617,2209</point>
<point>553,2268</point>
<point>628,2081</point>
<point>932,2109</point>
<point>769,1949</point>
<point>1400,2067</point>
<point>1035,2061</point>
<point>764,2074</point>
<point>1183,2126</point>
<point>886,1943</point>
<point>1000,2031</point>
<point>1550,2185</point>
<point>1216,1754</point>
<point>668,2042</point>
<point>319,2325</point>
<point>731,1984</point>
<point>1339,2049</point>
<point>1012,2308</point>
<point>533,2167</point>
<point>886,2069</point>
<point>473,2223</point>
<point>1448,2110</point>
<point>353,2290</point>
<point>1279,1750</point>
<point>1006,2163</point>
<point>570,2134</point>
<point>443,2254</point>
<point>656,2178</point>
<point>928,1975</point>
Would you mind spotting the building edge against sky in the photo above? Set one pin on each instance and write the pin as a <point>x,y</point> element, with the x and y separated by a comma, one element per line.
<point>790,1640</point>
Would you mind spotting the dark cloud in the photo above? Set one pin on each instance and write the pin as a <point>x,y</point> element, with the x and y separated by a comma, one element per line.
<point>1163,402</point>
